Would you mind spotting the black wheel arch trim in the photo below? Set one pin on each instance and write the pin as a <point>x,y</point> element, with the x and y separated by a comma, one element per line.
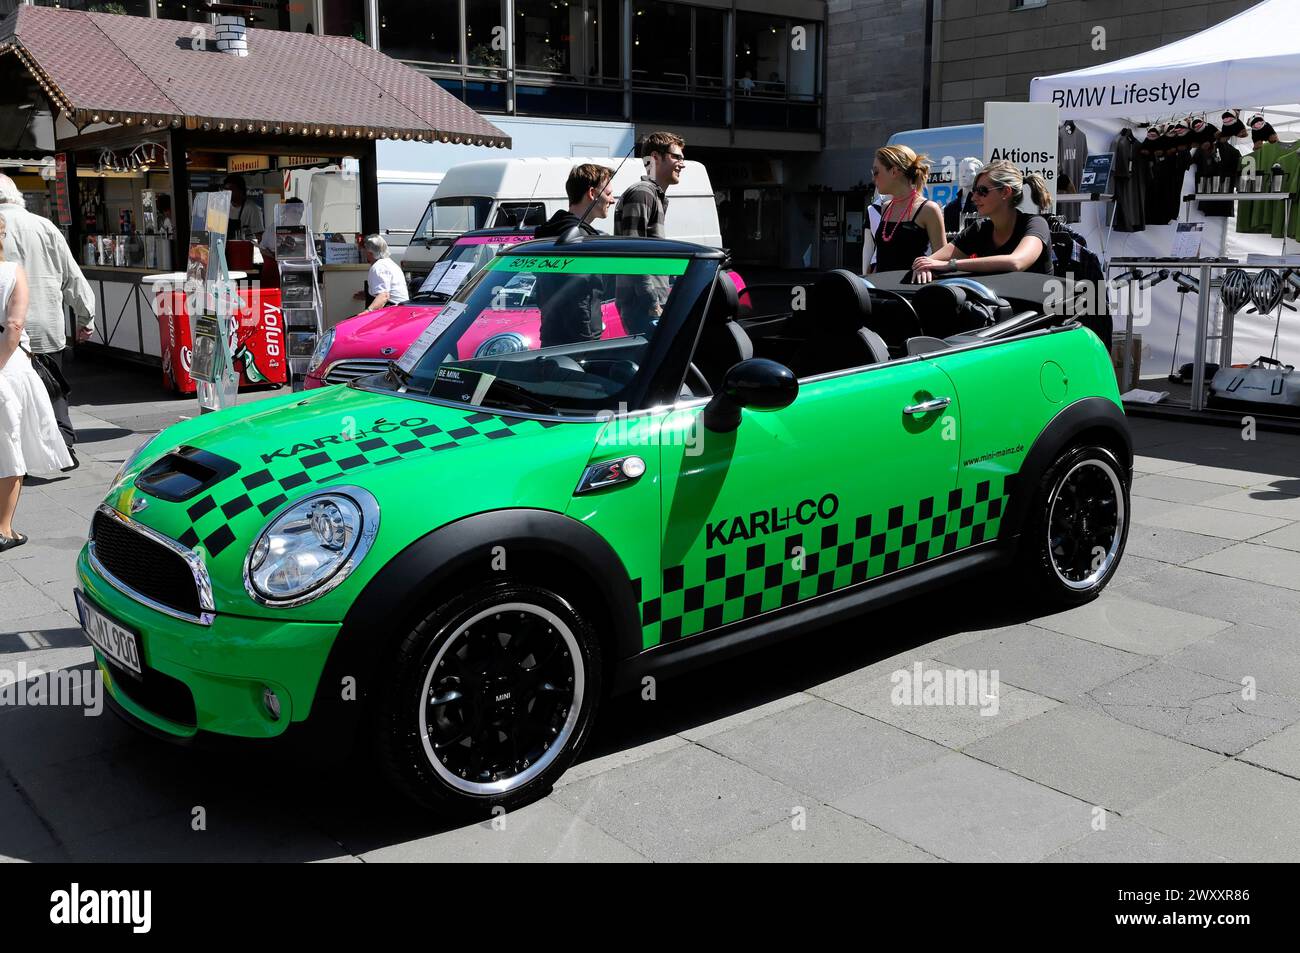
<point>401,587</point>
<point>1089,413</point>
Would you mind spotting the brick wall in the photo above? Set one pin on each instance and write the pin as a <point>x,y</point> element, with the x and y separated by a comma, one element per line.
<point>984,50</point>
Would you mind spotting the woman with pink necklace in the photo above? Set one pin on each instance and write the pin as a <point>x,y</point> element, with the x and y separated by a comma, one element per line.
<point>909,225</point>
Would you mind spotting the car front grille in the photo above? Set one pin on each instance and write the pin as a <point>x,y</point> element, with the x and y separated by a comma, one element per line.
<point>340,372</point>
<point>145,566</point>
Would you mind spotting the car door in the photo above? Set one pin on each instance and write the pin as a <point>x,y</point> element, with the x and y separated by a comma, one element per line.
<point>850,482</point>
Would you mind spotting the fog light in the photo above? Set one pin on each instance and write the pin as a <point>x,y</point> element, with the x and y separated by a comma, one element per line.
<point>272,702</point>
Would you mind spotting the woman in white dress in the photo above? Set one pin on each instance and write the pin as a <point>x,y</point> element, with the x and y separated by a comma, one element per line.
<point>29,433</point>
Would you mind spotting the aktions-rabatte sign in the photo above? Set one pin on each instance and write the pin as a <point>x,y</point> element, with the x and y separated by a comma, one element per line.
<point>1025,134</point>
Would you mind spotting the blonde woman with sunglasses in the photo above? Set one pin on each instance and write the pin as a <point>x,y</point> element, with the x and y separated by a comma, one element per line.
<point>1007,239</point>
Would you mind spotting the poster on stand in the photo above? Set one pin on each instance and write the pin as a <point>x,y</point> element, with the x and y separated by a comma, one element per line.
<point>1026,135</point>
<point>1096,173</point>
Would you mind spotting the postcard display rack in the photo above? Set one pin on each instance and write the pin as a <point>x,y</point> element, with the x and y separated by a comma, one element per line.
<point>1209,272</point>
<point>300,291</point>
<point>214,307</point>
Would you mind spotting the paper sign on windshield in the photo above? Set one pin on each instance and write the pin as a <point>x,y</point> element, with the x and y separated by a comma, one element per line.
<point>461,384</point>
<point>430,334</point>
<point>457,272</point>
<point>434,277</point>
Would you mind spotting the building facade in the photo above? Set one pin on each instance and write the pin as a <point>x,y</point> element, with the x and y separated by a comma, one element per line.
<point>991,49</point>
<point>744,81</point>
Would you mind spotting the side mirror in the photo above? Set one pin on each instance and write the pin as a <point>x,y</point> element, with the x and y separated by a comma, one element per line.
<point>757,383</point>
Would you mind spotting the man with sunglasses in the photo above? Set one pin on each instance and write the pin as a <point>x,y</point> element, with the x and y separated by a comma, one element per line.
<point>640,213</point>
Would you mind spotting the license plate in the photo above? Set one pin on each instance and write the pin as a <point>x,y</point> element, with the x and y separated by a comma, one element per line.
<point>119,644</point>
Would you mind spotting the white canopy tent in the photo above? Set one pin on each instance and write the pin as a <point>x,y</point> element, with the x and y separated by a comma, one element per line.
<point>1250,63</point>
<point>1252,59</point>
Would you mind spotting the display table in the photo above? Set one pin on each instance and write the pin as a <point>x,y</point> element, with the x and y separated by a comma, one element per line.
<point>259,346</point>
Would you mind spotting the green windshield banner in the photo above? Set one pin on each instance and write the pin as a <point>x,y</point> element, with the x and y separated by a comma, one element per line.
<point>589,265</point>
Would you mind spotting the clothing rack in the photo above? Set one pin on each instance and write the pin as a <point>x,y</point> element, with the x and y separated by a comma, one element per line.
<point>1105,219</point>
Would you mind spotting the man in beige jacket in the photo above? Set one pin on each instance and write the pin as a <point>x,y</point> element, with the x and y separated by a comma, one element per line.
<point>54,280</point>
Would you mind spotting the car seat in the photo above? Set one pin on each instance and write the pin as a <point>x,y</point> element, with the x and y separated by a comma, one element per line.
<point>894,319</point>
<point>723,343</point>
<point>833,328</point>
<point>946,308</point>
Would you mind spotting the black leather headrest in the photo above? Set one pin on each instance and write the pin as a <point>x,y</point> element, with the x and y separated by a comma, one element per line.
<point>839,300</point>
<point>936,301</point>
<point>726,300</point>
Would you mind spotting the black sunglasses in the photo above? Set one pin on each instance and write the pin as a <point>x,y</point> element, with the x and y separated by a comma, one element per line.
<point>984,190</point>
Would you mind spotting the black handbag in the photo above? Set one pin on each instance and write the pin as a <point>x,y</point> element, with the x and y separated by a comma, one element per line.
<point>51,375</point>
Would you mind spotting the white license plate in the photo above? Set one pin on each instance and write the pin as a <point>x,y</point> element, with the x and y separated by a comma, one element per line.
<point>119,644</point>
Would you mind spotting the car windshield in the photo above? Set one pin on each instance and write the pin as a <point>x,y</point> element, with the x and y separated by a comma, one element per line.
<point>552,335</point>
<point>462,262</point>
<point>452,216</point>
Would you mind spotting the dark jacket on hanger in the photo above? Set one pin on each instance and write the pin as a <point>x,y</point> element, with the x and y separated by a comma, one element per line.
<point>1130,194</point>
<point>954,210</point>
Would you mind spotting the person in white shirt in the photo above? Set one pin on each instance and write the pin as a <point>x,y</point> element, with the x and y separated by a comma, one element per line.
<point>386,281</point>
<point>54,281</point>
<point>246,221</point>
<point>30,441</point>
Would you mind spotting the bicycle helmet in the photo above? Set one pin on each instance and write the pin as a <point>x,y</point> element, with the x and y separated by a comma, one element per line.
<point>1266,291</point>
<point>1234,292</point>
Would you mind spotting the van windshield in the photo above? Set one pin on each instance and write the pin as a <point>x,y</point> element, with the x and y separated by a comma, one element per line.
<point>463,261</point>
<point>452,216</point>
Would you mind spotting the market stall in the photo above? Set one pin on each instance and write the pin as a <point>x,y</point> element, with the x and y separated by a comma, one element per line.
<point>149,113</point>
<point>1203,138</point>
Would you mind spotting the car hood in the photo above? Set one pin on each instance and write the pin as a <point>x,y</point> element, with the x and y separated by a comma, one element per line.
<point>366,335</point>
<point>426,464</point>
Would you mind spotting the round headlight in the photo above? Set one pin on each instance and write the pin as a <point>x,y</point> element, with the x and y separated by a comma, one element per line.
<point>311,547</point>
<point>322,349</point>
<point>501,344</point>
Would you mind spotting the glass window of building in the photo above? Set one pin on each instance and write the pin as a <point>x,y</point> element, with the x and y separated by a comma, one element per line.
<point>485,33</point>
<point>195,11</point>
<point>710,48</point>
<point>803,60</point>
<point>341,17</point>
<point>762,61</point>
<point>661,49</point>
<point>135,8</point>
<point>299,17</point>
<point>548,37</point>
<point>420,31</point>
<point>604,41</point>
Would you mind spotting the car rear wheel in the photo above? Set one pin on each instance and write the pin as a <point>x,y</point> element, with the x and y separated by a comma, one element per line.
<point>493,696</point>
<point>1077,527</point>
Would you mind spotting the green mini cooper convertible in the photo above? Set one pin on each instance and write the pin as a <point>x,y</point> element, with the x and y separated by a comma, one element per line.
<point>455,560</point>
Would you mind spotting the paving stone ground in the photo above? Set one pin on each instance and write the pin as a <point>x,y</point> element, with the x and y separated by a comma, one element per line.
<point>1159,723</point>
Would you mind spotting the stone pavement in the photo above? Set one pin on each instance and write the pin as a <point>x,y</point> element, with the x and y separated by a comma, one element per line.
<point>1167,710</point>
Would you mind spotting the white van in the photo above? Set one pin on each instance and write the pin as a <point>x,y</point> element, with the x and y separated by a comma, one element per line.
<point>335,201</point>
<point>494,193</point>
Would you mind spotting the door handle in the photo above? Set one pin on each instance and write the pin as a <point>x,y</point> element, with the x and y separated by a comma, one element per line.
<point>927,406</point>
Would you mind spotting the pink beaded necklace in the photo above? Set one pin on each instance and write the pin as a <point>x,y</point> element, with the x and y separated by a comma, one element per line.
<point>885,234</point>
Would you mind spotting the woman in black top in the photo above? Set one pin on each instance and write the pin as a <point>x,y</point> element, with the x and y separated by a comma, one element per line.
<point>909,225</point>
<point>1007,239</point>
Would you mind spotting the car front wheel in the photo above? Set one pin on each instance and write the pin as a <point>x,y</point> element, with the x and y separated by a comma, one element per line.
<point>493,696</point>
<point>1077,528</point>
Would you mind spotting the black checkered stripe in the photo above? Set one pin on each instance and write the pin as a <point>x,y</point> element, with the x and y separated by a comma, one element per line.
<point>268,488</point>
<point>751,577</point>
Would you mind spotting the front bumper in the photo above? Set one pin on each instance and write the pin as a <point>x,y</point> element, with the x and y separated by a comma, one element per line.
<point>223,668</point>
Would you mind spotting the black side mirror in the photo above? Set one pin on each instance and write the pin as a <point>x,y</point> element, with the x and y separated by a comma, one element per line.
<point>757,383</point>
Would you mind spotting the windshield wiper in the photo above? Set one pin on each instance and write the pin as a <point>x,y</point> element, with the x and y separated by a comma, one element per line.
<point>404,377</point>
